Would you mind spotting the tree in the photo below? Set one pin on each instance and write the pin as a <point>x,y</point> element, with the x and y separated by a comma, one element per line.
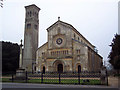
<point>10,57</point>
<point>1,3</point>
<point>114,56</point>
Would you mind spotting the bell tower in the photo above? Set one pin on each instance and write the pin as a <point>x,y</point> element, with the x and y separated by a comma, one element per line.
<point>31,34</point>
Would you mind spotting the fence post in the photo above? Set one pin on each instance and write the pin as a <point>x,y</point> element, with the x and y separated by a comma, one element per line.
<point>78,77</point>
<point>42,77</point>
<point>59,79</point>
<point>12,78</point>
<point>26,77</point>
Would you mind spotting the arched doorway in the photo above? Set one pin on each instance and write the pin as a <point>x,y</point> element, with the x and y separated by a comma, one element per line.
<point>44,69</point>
<point>60,68</point>
<point>79,68</point>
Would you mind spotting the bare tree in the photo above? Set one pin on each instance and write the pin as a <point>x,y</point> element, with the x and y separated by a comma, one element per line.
<point>1,3</point>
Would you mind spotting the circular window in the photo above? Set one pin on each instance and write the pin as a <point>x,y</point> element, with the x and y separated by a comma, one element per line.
<point>59,41</point>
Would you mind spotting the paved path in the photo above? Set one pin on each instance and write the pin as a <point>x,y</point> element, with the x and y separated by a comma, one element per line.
<point>30,85</point>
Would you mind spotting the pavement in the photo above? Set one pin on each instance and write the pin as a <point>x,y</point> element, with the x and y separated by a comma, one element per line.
<point>30,85</point>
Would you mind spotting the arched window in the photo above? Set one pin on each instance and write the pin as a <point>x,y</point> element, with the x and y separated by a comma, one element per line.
<point>63,52</point>
<point>67,51</point>
<point>78,38</point>
<point>82,41</point>
<point>74,36</point>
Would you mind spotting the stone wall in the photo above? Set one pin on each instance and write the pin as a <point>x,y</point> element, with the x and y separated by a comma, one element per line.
<point>71,51</point>
<point>41,56</point>
<point>94,60</point>
<point>80,56</point>
<point>114,81</point>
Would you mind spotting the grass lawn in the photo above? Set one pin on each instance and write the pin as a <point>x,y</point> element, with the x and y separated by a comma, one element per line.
<point>55,81</point>
<point>73,81</point>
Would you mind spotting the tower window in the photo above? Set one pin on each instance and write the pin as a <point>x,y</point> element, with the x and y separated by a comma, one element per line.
<point>37,15</point>
<point>27,13</point>
<point>30,13</point>
<point>28,26</point>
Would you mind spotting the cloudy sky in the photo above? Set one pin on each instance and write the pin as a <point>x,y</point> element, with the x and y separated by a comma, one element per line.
<point>96,20</point>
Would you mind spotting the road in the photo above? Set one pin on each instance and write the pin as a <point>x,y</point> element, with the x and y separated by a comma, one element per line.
<point>30,85</point>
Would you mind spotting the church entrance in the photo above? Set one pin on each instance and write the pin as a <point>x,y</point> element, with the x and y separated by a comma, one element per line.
<point>60,68</point>
<point>44,69</point>
<point>79,68</point>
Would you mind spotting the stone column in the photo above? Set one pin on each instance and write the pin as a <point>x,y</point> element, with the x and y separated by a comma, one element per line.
<point>20,57</point>
<point>20,72</point>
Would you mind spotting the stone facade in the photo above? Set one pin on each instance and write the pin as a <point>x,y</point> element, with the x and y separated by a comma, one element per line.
<point>66,50</point>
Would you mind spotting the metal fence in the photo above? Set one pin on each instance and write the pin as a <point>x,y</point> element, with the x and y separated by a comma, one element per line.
<point>83,78</point>
<point>71,77</point>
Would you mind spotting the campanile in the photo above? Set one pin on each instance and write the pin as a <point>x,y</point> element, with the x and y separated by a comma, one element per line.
<point>31,35</point>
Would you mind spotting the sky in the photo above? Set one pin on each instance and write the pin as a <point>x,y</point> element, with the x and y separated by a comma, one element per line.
<point>96,20</point>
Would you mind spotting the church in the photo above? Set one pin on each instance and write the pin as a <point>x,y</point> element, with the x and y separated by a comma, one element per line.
<point>66,50</point>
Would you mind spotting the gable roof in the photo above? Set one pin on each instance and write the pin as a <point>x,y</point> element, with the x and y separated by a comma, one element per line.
<point>59,21</point>
<point>43,45</point>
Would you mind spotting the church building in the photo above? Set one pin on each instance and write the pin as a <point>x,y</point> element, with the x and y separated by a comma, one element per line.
<point>66,50</point>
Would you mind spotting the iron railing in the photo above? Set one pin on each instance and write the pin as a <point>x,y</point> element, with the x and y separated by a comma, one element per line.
<point>86,77</point>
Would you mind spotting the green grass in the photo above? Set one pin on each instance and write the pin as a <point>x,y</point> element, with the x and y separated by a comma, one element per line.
<point>73,81</point>
<point>55,81</point>
<point>34,81</point>
<point>9,80</point>
<point>6,80</point>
